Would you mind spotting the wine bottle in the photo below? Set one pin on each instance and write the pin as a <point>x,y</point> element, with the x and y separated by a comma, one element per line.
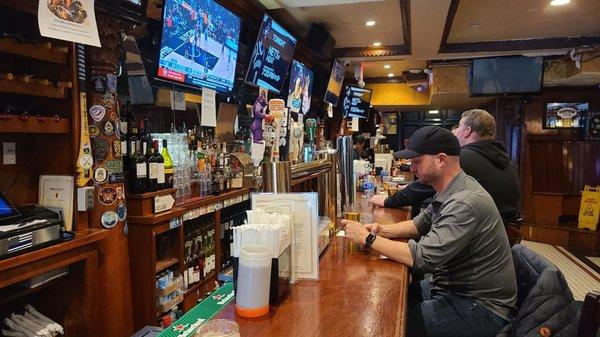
<point>169,171</point>
<point>153,170</point>
<point>201,257</point>
<point>139,171</point>
<point>144,136</point>
<point>159,162</point>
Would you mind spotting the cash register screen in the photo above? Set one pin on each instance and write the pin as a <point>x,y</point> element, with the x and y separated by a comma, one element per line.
<point>6,209</point>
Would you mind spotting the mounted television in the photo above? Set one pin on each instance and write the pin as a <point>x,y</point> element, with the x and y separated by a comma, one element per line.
<point>300,88</point>
<point>565,115</point>
<point>199,45</point>
<point>334,86</point>
<point>357,102</point>
<point>272,56</point>
<point>129,10</point>
<point>506,75</point>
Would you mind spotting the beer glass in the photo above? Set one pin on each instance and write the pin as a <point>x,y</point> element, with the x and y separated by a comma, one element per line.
<point>352,212</point>
<point>218,328</point>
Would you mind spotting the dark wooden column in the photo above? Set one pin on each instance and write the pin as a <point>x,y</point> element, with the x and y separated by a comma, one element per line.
<point>114,296</point>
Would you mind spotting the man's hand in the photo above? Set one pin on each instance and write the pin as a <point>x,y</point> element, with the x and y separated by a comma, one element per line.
<point>378,200</point>
<point>373,228</point>
<point>355,231</point>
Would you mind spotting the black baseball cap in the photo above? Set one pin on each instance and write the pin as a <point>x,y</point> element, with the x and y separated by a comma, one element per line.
<point>430,140</point>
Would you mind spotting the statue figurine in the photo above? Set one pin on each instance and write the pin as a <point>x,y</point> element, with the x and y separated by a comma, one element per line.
<point>379,134</point>
<point>296,141</point>
<point>258,111</point>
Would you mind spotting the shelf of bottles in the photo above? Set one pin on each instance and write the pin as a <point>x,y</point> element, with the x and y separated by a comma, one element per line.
<point>199,251</point>
<point>193,162</point>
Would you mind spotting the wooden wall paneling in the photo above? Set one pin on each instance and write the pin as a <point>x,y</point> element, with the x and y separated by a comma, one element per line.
<point>547,209</point>
<point>141,241</point>
<point>583,241</point>
<point>115,281</point>
<point>553,236</point>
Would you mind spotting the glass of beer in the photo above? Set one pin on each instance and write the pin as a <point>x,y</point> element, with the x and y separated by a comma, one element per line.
<point>352,212</point>
<point>218,328</point>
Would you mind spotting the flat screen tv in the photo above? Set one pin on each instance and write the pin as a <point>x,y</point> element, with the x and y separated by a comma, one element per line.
<point>506,75</point>
<point>272,56</point>
<point>300,88</point>
<point>129,10</point>
<point>357,102</point>
<point>334,86</point>
<point>199,45</point>
<point>565,115</point>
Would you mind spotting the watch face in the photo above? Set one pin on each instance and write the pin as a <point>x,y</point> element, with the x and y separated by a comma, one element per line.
<point>369,240</point>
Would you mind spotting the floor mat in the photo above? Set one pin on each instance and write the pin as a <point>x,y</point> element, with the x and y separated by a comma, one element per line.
<point>580,277</point>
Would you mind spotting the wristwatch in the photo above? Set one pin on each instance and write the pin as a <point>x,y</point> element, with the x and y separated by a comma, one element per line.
<point>369,240</point>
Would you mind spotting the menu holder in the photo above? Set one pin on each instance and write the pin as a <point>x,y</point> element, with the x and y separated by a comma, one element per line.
<point>304,209</point>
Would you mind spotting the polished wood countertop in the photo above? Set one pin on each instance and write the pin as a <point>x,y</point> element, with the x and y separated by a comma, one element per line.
<point>357,294</point>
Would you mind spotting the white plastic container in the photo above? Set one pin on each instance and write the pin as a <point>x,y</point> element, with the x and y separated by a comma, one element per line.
<point>253,281</point>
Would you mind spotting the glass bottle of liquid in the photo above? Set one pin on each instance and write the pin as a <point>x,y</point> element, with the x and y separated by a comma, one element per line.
<point>152,184</point>
<point>169,170</point>
<point>139,170</point>
<point>159,166</point>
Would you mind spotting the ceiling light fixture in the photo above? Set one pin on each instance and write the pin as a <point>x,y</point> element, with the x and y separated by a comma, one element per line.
<point>387,66</point>
<point>390,75</point>
<point>370,23</point>
<point>376,44</point>
<point>559,2</point>
<point>475,25</point>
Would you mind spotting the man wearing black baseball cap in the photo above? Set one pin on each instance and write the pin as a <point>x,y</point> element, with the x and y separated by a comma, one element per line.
<point>463,245</point>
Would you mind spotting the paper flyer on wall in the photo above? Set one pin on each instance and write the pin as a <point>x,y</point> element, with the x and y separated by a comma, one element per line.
<point>73,21</point>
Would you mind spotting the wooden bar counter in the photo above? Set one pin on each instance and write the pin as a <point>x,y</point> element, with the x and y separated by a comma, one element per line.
<point>357,294</point>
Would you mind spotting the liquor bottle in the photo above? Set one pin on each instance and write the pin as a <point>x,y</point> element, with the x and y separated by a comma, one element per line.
<point>158,162</point>
<point>168,166</point>
<point>187,252</point>
<point>124,128</point>
<point>144,136</point>
<point>201,257</point>
<point>194,259</point>
<point>132,132</point>
<point>210,237</point>
<point>139,170</point>
<point>153,171</point>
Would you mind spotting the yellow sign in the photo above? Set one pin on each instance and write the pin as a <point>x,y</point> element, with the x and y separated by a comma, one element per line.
<point>589,210</point>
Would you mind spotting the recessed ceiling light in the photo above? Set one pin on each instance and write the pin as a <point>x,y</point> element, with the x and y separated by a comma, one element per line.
<point>559,2</point>
<point>434,112</point>
<point>370,23</point>
<point>387,66</point>
<point>390,75</point>
<point>376,44</point>
<point>475,25</point>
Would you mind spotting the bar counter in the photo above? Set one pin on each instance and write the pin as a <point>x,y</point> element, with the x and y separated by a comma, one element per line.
<point>357,294</point>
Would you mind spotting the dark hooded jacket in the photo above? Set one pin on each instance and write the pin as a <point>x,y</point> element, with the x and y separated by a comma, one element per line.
<point>544,300</point>
<point>487,162</point>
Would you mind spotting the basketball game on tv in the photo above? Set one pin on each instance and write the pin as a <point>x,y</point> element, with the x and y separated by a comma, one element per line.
<point>199,45</point>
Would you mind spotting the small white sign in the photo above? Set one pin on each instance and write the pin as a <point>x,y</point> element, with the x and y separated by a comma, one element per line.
<point>209,108</point>
<point>163,203</point>
<point>329,110</point>
<point>354,124</point>
<point>9,151</point>
<point>178,100</point>
<point>73,23</point>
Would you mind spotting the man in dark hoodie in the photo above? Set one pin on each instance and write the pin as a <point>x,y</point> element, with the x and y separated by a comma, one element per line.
<point>481,157</point>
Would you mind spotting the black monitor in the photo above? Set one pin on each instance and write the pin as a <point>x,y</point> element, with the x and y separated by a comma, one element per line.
<point>272,55</point>
<point>507,75</point>
<point>199,45</point>
<point>357,102</point>
<point>7,210</point>
<point>334,86</point>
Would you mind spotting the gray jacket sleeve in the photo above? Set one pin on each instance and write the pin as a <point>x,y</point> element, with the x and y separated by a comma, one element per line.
<point>448,235</point>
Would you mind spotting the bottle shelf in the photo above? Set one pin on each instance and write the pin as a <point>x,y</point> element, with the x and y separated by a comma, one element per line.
<point>164,264</point>
<point>210,277</point>
<point>32,50</point>
<point>34,125</point>
<point>32,89</point>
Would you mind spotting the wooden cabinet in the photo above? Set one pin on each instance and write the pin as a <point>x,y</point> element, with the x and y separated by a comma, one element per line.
<point>156,244</point>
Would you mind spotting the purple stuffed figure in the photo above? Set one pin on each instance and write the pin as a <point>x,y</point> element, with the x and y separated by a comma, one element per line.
<point>258,111</point>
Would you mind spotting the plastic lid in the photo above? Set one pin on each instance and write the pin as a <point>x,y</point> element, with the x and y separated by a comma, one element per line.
<point>255,252</point>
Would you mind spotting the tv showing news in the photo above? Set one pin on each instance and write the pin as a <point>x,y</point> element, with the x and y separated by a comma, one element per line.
<point>300,88</point>
<point>565,115</point>
<point>357,102</point>
<point>334,86</point>
<point>507,75</point>
<point>199,45</point>
<point>272,56</point>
